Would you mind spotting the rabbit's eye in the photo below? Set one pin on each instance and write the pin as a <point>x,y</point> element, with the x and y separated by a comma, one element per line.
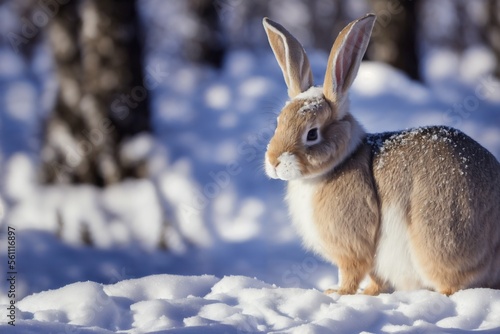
<point>312,135</point>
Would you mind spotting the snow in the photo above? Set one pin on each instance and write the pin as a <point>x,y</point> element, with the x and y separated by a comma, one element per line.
<point>313,98</point>
<point>239,304</point>
<point>234,262</point>
<point>313,93</point>
<point>138,148</point>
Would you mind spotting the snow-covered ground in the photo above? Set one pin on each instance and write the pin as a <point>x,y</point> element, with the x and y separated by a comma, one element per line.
<point>234,263</point>
<point>239,304</point>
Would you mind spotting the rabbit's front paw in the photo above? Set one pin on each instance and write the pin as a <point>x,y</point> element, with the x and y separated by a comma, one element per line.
<point>372,290</point>
<point>375,287</point>
<point>341,291</point>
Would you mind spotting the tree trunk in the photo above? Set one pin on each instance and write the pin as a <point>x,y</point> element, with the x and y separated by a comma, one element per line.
<point>102,98</point>
<point>207,45</point>
<point>394,38</point>
<point>493,32</point>
<point>329,19</point>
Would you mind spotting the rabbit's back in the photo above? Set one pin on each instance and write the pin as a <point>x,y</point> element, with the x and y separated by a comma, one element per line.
<point>445,189</point>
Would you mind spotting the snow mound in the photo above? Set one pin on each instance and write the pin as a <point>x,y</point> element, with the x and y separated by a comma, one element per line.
<point>239,304</point>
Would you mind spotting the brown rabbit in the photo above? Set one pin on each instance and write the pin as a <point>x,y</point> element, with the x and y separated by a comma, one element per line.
<point>412,209</point>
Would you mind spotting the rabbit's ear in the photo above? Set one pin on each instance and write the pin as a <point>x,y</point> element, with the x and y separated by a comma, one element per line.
<point>291,57</point>
<point>346,55</point>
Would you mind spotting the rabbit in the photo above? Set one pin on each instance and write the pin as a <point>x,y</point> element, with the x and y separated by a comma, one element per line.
<point>413,209</point>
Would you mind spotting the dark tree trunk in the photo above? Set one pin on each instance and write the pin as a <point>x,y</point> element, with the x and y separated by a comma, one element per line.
<point>329,19</point>
<point>492,32</point>
<point>102,98</point>
<point>24,40</point>
<point>207,45</point>
<point>394,38</point>
<point>251,17</point>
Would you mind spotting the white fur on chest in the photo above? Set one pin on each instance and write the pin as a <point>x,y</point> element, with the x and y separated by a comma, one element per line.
<point>393,260</point>
<point>300,196</point>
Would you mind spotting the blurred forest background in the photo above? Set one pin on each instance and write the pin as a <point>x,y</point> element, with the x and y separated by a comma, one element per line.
<point>99,50</point>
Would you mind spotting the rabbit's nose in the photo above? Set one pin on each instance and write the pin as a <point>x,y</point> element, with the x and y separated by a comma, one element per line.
<point>288,166</point>
<point>273,160</point>
<point>271,164</point>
